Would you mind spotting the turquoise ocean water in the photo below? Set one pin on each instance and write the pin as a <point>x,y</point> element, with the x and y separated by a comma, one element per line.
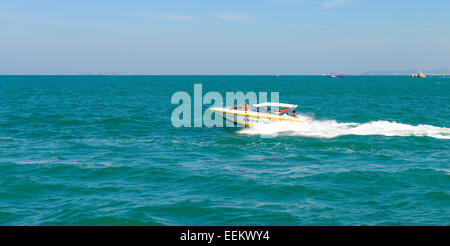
<point>101,150</point>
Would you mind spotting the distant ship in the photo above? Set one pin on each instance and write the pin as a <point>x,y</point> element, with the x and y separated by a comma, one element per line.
<point>418,75</point>
<point>332,75</point>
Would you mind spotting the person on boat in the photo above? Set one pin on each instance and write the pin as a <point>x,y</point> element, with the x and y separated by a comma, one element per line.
<point>294,114</point>
<point>246,106</point>
<point>235,107</point>
<point>268,110</point>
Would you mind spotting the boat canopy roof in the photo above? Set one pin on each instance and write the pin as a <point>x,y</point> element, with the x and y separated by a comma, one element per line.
<point>273,104</point>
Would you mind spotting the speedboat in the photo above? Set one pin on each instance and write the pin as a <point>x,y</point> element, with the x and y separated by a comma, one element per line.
<point>264,113</point>
<point>334,76</point>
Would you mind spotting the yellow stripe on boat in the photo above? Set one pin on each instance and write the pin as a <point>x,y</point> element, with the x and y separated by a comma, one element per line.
<point>252,116</point>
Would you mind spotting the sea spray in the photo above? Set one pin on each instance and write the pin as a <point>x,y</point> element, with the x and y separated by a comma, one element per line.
<point>311,127</point>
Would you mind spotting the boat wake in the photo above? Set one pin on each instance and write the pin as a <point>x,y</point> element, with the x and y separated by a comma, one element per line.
<point>332,129</point>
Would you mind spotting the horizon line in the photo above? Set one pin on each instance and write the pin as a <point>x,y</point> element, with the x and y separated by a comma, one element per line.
<point>274,75</point>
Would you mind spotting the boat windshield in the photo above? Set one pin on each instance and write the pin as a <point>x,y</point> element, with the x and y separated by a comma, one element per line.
<point>270,108</point>
<point>273,110</point>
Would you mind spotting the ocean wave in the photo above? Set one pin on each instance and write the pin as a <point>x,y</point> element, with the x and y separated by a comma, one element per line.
<point>313,128</point>
<point>7,139</point>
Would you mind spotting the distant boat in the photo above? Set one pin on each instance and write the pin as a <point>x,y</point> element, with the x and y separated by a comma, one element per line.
<point>332,75</point>
<point>418,75</point>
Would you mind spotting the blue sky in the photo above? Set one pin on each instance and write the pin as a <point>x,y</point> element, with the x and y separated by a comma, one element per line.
<point>223,37</point>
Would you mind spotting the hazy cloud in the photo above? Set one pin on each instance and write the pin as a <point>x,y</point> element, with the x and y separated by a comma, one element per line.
<point>137,14</point>
<point>176,17</point>
<point>232,16</point>
<point>173,17</point>
<point>309,26</point>
<point>286,2</point>
<point>336,3</point>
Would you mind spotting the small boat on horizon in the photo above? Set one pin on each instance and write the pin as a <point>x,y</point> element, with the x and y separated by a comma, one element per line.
<point>418,75</point>
<point>263,113</point>
<point>332,75</point>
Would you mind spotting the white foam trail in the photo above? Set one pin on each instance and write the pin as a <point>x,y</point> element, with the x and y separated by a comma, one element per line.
<point>331,129</point>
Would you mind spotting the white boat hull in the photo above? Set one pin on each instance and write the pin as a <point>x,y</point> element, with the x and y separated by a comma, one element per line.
<point>250,118</point>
